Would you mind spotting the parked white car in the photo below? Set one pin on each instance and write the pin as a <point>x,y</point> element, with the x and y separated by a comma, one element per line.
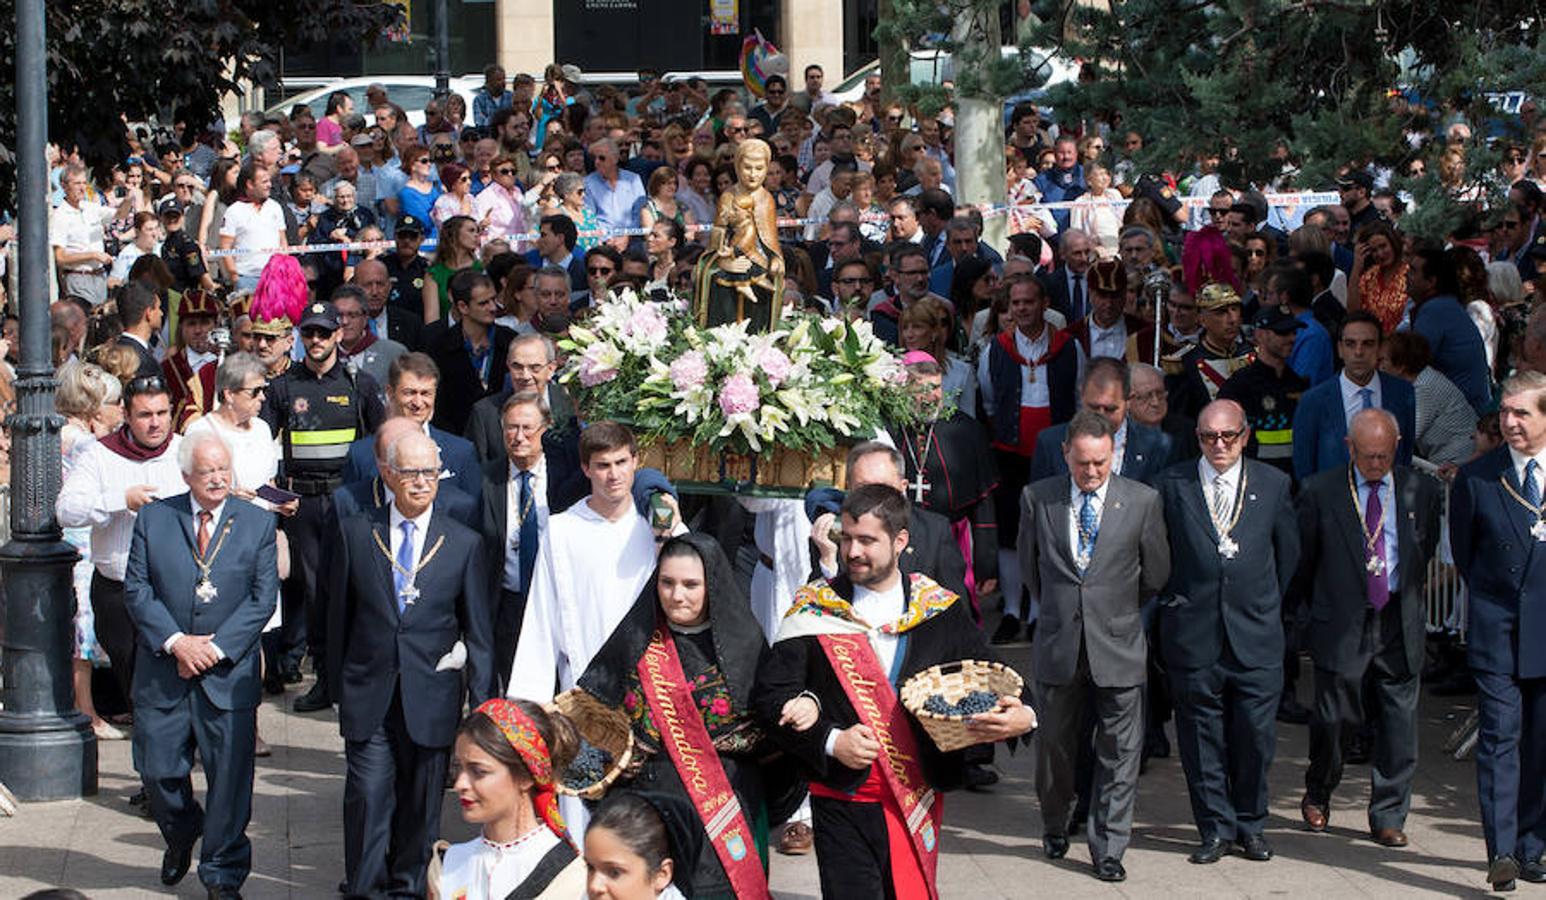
<point>411,92</point>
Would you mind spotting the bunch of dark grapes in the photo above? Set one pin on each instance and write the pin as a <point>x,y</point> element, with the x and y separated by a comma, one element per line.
<point>590,766</point>
<point>970,705</point>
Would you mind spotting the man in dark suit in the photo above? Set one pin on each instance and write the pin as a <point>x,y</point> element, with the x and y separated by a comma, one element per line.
<point>413,383</point>
<point>140,309</point>
<point>1321,420</point>
<point>1067,286</point>
<point>1368,532</point>
<point>413,625</point>
<point>1092,571</point>
<point>556,237</point>
<point>202,581</point>
<point>1144,451</point>
<point>1234,544</point>
<point>531,364</point>
<point>373,493</point>
<point>539,476</point>
<point>1498,535</point>
<point>932,549</point>
<point>468,352</point>
<point>384,319</point>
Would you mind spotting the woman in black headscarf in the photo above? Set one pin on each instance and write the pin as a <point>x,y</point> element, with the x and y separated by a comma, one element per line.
<point>682,664</point>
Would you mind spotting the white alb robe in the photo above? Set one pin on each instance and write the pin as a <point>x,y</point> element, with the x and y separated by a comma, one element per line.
<point>783,534</point>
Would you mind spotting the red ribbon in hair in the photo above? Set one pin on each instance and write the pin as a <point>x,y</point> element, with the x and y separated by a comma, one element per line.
<point>523,735</point>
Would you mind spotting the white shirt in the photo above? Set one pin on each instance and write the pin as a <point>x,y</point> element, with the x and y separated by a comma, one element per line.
<point>1077,496</point>
<point>197,360</point>
<point>1108,341</point>
<point>1520,461</point>
<point>254,453</point>
<point>1033,393</point>
<point>1352,401</point>
<point>1229,479</point>
<point>420,525</point>
<point>78,229</point>
<point>539,508</point>
<point>254,228</point>
<point>877,608</point>
<point>479,870</point>
<point>1119,448</point>
<point>93,495</point>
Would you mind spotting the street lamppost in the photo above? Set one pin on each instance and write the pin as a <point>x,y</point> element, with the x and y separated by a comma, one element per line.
<point>442,51</point>
<point>47,750</point>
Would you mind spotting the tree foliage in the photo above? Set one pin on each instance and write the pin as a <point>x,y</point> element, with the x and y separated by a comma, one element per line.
<point>117,61</point>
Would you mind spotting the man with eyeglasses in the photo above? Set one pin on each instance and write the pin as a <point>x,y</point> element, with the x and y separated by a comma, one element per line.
<point>106,487</point>
<point>840,132</point>
<point>603,263</point>
<point>1234,546</point>
<point>318,407</point>
<point>775,101</point>
<point>844,243</point>
<point>413,645</point>
<point>530,367</point>
<point>536,474</point>
<point>360,348</point>
<point>611,191</point>
<point>910,272</point>
<point>853,281</point>
<point>413,384</point>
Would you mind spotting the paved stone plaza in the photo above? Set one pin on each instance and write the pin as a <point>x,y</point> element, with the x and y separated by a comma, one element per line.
<point>992,844</point>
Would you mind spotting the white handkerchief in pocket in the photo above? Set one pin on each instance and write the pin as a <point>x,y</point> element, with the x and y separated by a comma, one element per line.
<point>454,660</point>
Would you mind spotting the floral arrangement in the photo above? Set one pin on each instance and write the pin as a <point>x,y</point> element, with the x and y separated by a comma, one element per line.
<point>812,383</point>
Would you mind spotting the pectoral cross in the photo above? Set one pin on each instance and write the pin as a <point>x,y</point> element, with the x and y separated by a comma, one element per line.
<point>919,487</point>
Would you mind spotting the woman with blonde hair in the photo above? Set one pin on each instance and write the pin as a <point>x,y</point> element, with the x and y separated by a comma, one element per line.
<point>88,398</point>
<point>926,325</point>
<point>1378,280</point>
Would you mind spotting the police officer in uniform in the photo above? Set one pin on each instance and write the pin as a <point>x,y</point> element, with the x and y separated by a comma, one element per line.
<point>317,407</point>
<point>406,267</point>
<point>1269,390</point>
<point>1220,354</point>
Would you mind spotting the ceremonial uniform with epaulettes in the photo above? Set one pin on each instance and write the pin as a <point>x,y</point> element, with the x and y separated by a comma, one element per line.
<point>1204,369</point>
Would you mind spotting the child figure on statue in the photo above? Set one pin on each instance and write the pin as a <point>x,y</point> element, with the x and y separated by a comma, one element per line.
<point>742,274</point>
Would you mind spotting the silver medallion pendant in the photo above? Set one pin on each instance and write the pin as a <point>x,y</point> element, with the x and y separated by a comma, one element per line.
<point>205,591</point>
<point>1375,565</point>
<point>1538,530</point>
<point>1228,548</point>
<point>1082,560</point>
<point>410,594</point>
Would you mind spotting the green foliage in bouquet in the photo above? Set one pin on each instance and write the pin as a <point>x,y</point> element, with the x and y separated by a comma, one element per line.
<point>810,384</point>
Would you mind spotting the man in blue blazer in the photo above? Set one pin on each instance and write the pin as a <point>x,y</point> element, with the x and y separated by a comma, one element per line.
<point>1498,536</point>
<point>409,606</point>
<point>1320,422</point>
<point>412,384</point>
<point>201,583</point>
<point>374,493</point>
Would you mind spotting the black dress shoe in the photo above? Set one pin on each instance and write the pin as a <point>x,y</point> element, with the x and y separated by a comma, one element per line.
<point>1255,848</point>
<point>1209,852</point>
<point>1292,712</point>
<point>291,675</point>
<point>1055,845</point>
<point>1532,871</point>
<point>273,684</point>
<point>219,892</point>
<point>1156,745</point>
<point>979,776</point>
<point>1501,873</point>
<point>314,700</point>
<point>175,862</point>
<point>1007,632</point>
<point>1110,870</point>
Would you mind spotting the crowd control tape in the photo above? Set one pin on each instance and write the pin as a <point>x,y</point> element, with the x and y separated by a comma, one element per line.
<point>1286,200</point>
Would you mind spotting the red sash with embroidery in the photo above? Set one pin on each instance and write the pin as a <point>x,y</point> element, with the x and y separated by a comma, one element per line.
<point>692,752</point>
<point>1006,342</point>
<point>869,690</point>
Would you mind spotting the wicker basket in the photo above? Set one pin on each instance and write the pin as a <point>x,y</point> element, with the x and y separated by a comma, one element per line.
<point>954,681</point>
<point>604,728</point>
<point>697,468</point>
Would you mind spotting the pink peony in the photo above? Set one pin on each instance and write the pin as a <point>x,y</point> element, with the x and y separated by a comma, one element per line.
<point>646,323</point>
<point>739,395</point>
<point>775,365</point>
<point>689,370</point>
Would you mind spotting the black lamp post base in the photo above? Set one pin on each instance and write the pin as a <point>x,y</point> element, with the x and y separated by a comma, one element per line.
<point>48,758</point>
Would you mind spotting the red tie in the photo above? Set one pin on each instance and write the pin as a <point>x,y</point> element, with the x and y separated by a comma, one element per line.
<point>204,518</point>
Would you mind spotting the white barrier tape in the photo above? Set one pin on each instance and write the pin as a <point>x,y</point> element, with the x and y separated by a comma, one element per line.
<point>1302,198</point>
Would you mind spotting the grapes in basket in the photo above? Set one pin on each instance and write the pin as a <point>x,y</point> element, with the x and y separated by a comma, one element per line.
<point>970,705</point>
<point>590,765</point>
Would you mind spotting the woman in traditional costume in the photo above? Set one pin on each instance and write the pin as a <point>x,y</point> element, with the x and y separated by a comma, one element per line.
<point>681,664</point>
<point>508,754</point>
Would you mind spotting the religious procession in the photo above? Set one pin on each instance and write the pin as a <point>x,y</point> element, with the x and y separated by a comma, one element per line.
<point>648,488</point>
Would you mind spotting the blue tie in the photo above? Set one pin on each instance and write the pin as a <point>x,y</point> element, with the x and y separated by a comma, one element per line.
<point>1532,483</point>
<point>527,530</point>
<point>1367,396</point>
<point>1088,528</point>
<point>404,564</point>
